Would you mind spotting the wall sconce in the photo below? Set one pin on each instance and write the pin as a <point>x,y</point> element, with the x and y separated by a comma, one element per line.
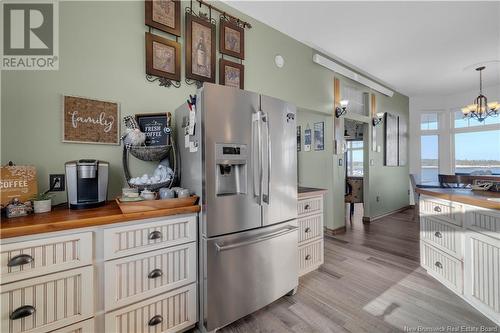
<point>377,119</point>
<point>342,109</point>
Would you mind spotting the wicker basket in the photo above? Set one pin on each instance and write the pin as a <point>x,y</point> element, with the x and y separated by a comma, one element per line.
<point>148,153</point>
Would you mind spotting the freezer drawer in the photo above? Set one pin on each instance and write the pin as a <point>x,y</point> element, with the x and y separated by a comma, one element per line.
<point>247,271</point>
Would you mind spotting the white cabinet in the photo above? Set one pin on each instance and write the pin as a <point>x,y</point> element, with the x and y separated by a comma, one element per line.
<point>482,273</point>
<point>310,223</point>
<point>460,247</point>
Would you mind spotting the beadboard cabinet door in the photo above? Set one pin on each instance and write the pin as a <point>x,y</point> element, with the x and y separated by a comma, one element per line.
<point>47,302</point>
<point>482,273</point>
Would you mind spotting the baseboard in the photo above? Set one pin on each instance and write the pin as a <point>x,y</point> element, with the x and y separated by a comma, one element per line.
<point>368,219</point>
<point>337,231</point>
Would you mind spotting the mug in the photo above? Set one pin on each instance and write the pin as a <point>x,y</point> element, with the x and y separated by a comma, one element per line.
<point>183,193</point>
<point>148,195</point>
<point>167,193</point>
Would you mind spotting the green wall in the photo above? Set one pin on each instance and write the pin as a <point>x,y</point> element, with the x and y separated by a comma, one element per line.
<point>102,56</point>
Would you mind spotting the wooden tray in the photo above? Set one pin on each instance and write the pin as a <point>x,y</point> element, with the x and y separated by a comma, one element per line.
<point>149,205</point>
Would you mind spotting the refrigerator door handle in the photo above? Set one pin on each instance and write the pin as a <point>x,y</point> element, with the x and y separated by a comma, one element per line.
<point>257,157</point>
<point>223,247</point>
<point>266,197</point>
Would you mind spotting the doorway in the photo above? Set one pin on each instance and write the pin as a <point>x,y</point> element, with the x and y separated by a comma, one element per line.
<point>356,168</point>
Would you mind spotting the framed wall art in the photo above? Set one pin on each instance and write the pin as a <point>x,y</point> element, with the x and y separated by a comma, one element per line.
<point>402,142</point>
<point>164,15</point>
<point>156,127</point>
<point>231,74</point>
<point>200,49</point>
<point>319,136</point>
<point>299,138</point>
<point>88,120</point>
<point>163,57</point>
<point>307,139</point>
<point>391,139</point>
<point>232,39</point>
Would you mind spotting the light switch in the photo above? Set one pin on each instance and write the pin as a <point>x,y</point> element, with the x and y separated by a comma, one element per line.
<point>340,162</point>
<point>372,162</point>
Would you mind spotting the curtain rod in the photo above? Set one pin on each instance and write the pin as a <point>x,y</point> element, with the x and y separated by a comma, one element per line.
<point>245,24</point>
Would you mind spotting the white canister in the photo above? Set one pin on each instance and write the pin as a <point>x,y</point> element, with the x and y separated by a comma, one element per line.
<point>42,206</point>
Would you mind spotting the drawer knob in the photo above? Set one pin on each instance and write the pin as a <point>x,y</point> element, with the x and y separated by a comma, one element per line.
<point>21,312</point>
<point>438,264</point>
<point>308,257</point>
<point>438,234</point>
<point>437,209</point>
<point>155,320</point>
<point>155,273</point>
<point>19,260</point>
<point>307,207</point>
<point>307,230</point>
<point>155,235</point>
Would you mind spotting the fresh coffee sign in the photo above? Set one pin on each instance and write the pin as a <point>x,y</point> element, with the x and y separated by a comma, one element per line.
<point>17,181</point>
<point>156,127</point>
<point>90,121</point>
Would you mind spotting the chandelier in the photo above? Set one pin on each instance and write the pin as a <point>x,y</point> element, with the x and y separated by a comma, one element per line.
<point>481,109</point>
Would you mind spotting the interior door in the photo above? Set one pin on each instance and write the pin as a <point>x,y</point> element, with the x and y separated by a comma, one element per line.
<point>279,160</point>
<point>230,122</point>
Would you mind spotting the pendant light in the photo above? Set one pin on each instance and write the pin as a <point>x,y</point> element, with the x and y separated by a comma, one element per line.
<point>481,109</point>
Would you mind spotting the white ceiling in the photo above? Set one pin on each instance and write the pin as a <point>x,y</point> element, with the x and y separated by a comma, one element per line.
<point>417,48</point>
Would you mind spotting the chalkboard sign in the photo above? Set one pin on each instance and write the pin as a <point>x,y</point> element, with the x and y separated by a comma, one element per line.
<point>156,126</point>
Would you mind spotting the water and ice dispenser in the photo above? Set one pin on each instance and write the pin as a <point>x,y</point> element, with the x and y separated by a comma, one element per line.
<point>231,170</point>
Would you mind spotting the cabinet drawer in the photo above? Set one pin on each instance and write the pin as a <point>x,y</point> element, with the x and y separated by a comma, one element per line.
<point>58,300</point>
<point>442,266</point>
<point>169,312</point>
<point>42,256</point>
<point>135,278</point>
<point>444,236</point>
<point>86,326</point>
<point>444,210</point>
<point>482,273</point>
<point>310,256</point>
<point>485,221</point>
<point>310,227</point>
<point>310,205</point>
<point>142,237</point>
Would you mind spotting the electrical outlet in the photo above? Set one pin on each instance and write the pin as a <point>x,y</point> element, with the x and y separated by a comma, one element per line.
<point>378,198</point>
<point>56,183</point>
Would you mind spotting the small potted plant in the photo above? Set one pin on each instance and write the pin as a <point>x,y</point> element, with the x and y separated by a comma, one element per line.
<point>42,203</point>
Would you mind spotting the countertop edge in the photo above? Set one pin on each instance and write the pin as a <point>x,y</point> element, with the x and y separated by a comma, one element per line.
<point>62,225</point>
<point>479,200</point>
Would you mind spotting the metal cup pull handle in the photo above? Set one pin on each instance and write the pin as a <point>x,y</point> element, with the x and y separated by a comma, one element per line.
<point>307,230</point>
<point>19,260</point>
<point>437,209</point>
<point>308,257</point>
<point>155,235</point>
<point>155,320</point>
<point>155,273</point>
<point>438,264</point>
<point>306,207</point>
<point>438,234</point>
<point>21,312</point>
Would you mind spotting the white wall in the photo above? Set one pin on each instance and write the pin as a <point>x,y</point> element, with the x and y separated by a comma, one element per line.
<point>443,105</point>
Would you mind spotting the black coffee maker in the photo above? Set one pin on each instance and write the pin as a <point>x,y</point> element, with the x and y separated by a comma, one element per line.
<point>87,183</point>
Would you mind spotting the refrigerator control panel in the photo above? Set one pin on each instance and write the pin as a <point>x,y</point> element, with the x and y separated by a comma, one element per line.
<point>235,153</point>
<point>231,170</point>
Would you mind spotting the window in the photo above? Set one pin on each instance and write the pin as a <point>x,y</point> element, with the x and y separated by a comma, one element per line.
<point>428,121</point>
<point>429,158</point>
<point>354,158</point>
<point>461,122</point>
<point>477,152</point>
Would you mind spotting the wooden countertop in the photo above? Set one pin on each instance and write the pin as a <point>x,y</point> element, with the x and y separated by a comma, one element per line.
<point>62,218</point>
<point>466,196</point>
<point>304,192</point>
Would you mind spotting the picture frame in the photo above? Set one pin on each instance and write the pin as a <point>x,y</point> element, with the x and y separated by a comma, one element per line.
<point>391,139</point>
<point>163,57</point>
<point>90,120</point>
<point>200,49</point>
<point>156,127</point>
<point>319,136</point>
<point>164,15</point>
<point>299,138</point>
<point>307,139</point>
<point>231,74</point>
<point>231,39</point>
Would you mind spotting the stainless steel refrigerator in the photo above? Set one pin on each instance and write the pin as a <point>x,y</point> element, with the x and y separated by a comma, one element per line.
<point>241,160</point>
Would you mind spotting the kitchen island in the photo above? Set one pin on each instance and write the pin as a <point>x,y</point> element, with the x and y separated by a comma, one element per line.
<point>460,244</point>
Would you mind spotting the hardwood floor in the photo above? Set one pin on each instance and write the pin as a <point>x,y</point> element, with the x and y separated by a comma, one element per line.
<point>371,282</point>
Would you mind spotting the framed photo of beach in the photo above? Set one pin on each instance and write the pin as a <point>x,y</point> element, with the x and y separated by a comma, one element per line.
<point>231,74</point>
<point>163,57</point>
<point>164,15</point>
